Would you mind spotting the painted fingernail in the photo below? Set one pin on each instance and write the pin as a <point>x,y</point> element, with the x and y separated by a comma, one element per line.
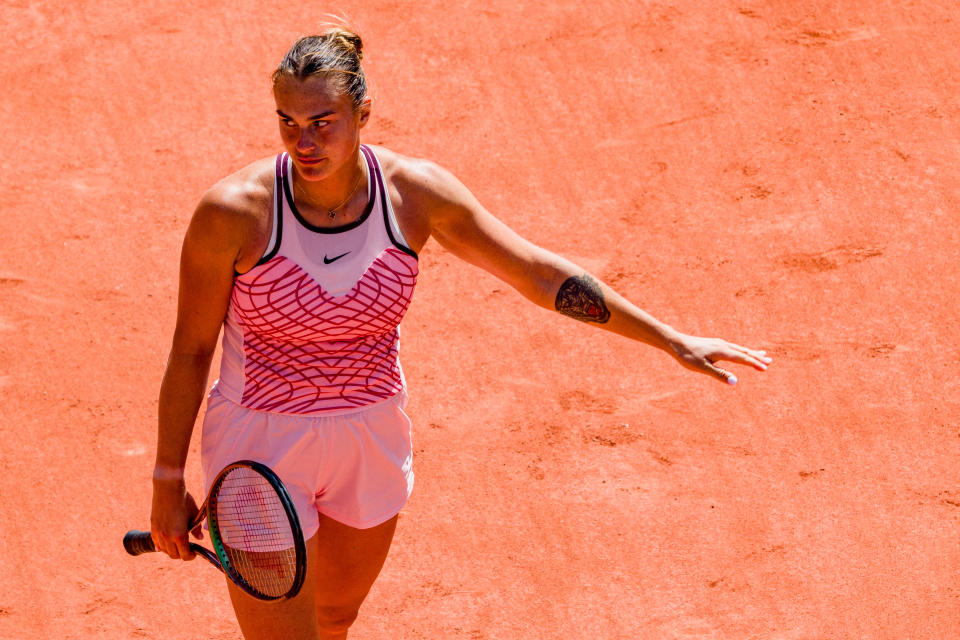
<point>732,380</point>
<point>768,359</point>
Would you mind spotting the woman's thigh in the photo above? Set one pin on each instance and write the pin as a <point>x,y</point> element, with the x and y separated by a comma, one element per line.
<point>342,565</point>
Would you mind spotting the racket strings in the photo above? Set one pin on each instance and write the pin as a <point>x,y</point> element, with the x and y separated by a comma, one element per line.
<point>255,532</point>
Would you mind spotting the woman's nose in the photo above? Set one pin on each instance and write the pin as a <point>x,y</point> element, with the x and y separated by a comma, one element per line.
<point>306,141</point>
<point>303,144</point>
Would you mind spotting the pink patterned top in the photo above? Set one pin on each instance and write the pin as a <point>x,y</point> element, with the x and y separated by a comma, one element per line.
<point>313,327</point>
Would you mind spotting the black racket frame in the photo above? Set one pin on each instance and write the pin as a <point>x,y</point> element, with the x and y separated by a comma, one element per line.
<point>138,542</point>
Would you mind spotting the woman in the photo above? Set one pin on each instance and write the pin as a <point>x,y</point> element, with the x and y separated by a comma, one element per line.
<point>308,261</point>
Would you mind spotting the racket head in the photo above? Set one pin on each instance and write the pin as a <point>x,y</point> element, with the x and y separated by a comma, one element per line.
<point>255,531</point>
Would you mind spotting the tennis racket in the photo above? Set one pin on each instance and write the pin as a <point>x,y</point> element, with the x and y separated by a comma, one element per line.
<point>254,531</point>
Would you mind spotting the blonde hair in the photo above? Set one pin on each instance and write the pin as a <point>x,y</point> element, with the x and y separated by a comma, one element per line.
<point>337,50</point>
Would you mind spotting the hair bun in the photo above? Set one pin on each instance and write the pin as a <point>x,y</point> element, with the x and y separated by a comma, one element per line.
<point>350,40</point>
<point>338,51</point>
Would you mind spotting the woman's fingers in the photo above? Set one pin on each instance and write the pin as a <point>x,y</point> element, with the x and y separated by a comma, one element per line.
<point>758,356</point>
<point>184,552</point>
<point>705,353</point>
<point>737,353</point>
<point>745,356</point>
<point>173,509</point>
<point>721,374</point>
<point>175,546</point>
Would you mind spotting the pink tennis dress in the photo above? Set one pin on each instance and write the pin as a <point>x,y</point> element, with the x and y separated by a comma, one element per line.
<point>310,381</point>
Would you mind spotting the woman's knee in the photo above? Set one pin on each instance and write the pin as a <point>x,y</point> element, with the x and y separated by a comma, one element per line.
<point>335,621</point>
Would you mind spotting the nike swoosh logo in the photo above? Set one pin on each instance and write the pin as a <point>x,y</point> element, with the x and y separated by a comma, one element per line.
<point>327,260</point>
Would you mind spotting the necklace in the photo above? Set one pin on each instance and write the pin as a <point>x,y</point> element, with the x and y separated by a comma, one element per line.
<point>332,211</point>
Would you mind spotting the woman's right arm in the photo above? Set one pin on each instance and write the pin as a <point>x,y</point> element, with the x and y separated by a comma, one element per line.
<point>207,261</point>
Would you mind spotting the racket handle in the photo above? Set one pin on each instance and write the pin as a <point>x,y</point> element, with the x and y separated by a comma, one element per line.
<point>137,542</point>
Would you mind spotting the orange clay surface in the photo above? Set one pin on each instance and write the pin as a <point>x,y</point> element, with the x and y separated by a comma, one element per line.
<point>780,174</point>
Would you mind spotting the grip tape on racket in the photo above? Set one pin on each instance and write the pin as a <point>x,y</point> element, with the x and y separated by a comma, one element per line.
<point>137,542</point>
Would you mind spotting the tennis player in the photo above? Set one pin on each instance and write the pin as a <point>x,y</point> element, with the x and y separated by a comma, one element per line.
<point>308,261</point>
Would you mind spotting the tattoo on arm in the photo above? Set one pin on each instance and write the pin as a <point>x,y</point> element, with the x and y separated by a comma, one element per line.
<point>580,297</point>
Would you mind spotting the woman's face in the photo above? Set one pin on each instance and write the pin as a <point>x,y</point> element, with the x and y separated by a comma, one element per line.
<point>319,126</point>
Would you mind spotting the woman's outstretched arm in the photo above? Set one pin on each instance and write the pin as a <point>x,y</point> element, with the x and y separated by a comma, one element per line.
<point>465,228</point>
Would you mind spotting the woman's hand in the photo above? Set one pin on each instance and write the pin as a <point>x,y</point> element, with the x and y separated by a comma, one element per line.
<point>702,354</point>
<point>173,509</point>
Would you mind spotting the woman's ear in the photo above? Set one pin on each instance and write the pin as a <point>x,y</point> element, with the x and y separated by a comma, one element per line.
<point>364,111</point>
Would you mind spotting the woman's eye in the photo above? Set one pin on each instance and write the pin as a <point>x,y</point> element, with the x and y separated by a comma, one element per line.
<point>287,123</point>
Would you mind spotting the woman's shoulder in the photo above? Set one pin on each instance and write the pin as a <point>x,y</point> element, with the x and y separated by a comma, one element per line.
<point>244,192</point>
<point>417,179</point>
<point>234,213</point>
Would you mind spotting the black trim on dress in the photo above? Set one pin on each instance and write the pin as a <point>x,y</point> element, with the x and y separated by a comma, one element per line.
<point>277,214</point>
<point>384,203</point>
<point>346,227</point>
<point>278,211</point>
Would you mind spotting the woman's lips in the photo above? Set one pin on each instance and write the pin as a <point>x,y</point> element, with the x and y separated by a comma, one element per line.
<point>303,160</point>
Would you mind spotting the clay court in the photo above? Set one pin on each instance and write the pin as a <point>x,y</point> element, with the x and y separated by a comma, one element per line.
<point>779,174</point>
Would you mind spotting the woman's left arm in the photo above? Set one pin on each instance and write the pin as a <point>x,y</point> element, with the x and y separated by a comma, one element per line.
<point>465,228</point>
